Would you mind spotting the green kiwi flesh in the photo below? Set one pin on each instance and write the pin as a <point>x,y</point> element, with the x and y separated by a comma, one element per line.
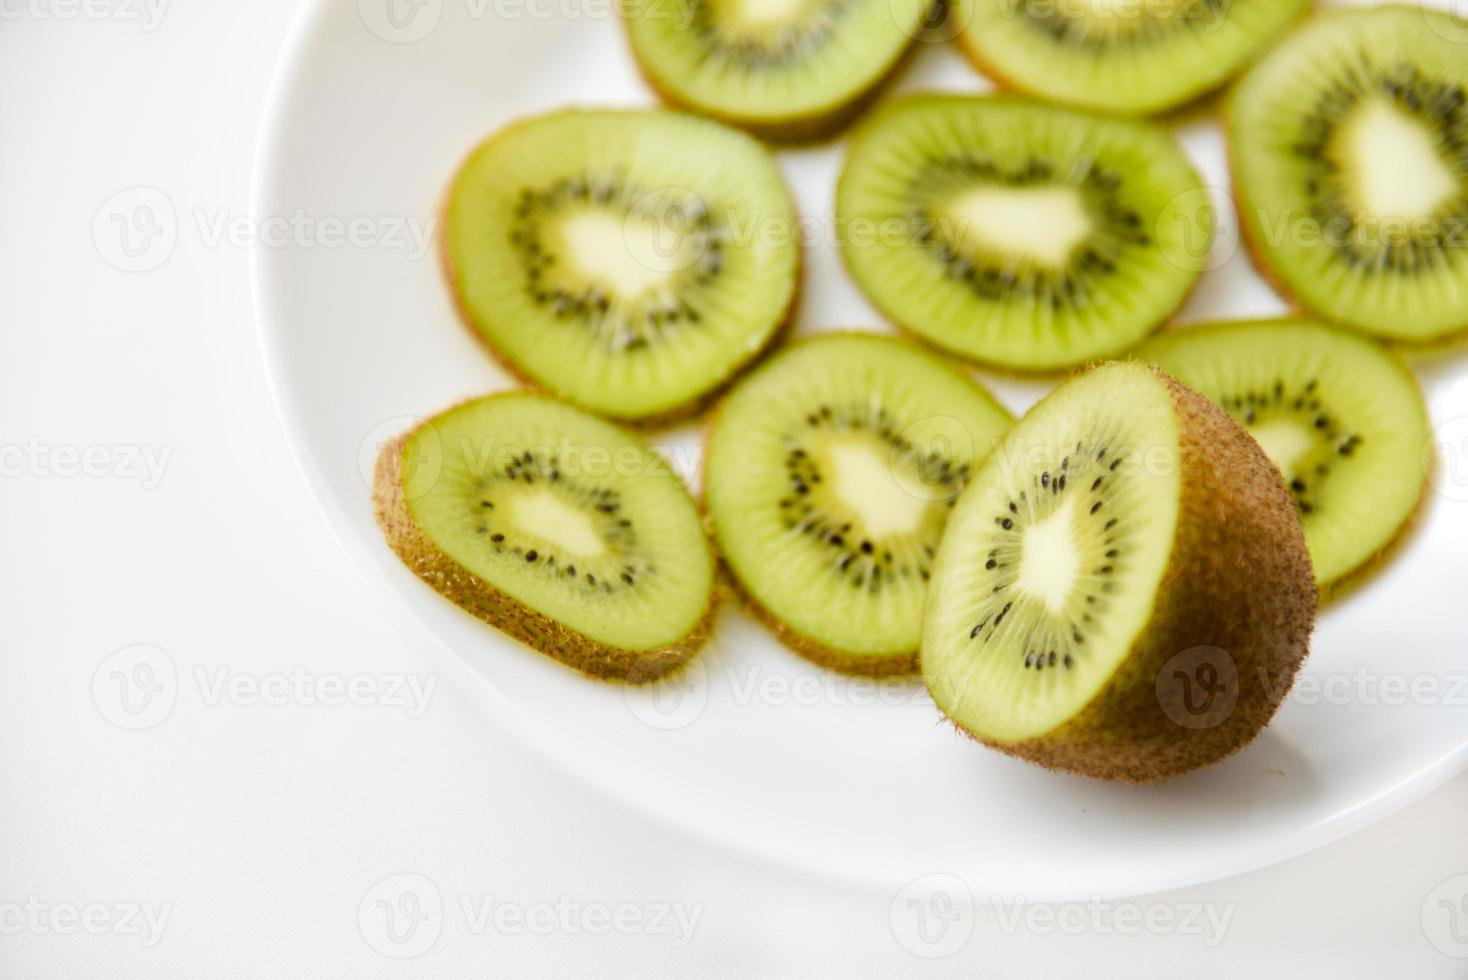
<point>829,475</point>
<point>1124,521</point>
<point>555,527</point>
<point>1341,418</point>
<point>1132,56</point>
<point>785,69</point>
<point>629,261</point>
<point>1350,153</point>
<point>1018,234</point>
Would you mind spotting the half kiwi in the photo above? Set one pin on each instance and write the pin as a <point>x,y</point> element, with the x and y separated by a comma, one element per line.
<point>1020,234</point>
<point>1341,418</point>
<point>785,69</point>
<point>829,476</point>
<point>1350,152</point>
<point>1125,535</point>
<point>557,528</point>
<point>628,261</point>
<point>1135,56</point>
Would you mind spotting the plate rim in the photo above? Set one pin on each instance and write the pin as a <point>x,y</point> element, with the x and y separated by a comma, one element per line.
<point>542,738</point>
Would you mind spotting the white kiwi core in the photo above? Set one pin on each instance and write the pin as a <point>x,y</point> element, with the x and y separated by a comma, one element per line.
<point>1284,441</point>
<point>1041,224</point>
<point>1049,559</point>
<point>1396,168</point>
<point>547,516</point>
<point>630,257</point>
<point>865,481</point>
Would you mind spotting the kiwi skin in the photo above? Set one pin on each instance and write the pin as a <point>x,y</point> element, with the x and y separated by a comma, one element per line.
<point>659,420</point>
<point>792,131</point>
<point>1355,578</point>
<point>1239,578</point>
<point>480,599</point>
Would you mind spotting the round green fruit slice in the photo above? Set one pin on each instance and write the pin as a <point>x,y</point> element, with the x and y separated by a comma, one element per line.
<point>1341,418</point>
<point>785,69</point>
<point>1123,590</point>
<point>557,528</point>
<point>630,262</point>
<point>1018,234</point>
<point>828,478</point>
<point>1134,56</point>
<point>1350,154</point>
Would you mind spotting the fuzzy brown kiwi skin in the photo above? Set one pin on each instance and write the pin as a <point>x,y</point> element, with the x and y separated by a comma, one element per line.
<point>900,663</point>
<point>1354,578</point>
<point>1019,372</point>
<point>791,131</point>
<point>480,599</point>
<point>657,420</point>
<point>1239,578</point>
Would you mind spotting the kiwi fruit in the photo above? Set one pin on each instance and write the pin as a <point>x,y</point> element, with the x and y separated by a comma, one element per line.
<point>1124,526</point>
<point>1130,56</point>
<point>1342,419</point>
<point>828,477</point>
<point>557,528</point>
<point>783,69</point>
<point>1017,234</point>
<point>628,261</point>
<point>1350,154</point>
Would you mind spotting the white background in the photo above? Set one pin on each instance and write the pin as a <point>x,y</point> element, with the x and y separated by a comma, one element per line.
<point>261,832</point>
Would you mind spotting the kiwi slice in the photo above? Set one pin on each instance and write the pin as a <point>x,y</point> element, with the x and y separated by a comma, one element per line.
<point>1019,234</point>
<point>557,528</point>
<point>630,262</point>
<point>1350,151</point>
<point>785,69</point>
<point>1341,418</point>
<point>1134,56</point>
<point>829,476</point>
<point>1124,526</point>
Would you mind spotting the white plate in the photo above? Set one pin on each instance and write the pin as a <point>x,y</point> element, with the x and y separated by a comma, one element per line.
<point>754,748</point>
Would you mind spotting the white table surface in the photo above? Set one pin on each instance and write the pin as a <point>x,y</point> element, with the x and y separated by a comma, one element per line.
<point>150,499</point>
